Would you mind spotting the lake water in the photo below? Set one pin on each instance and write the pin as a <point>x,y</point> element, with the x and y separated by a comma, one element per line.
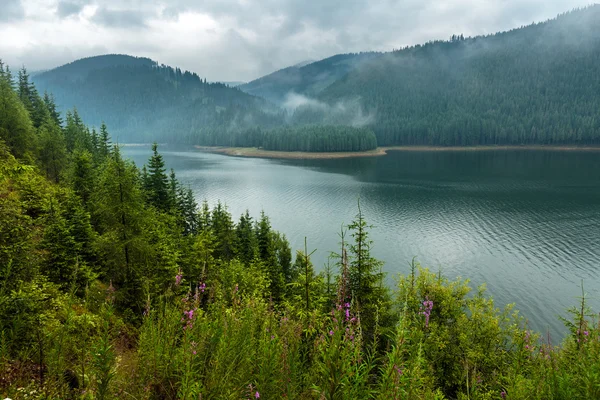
<point>525,222</point>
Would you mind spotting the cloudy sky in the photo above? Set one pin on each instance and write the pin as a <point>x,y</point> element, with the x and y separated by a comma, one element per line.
<point>239,40</point>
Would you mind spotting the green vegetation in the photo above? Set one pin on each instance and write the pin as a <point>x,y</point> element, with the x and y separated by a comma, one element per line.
<point>536,84</point>
<point>114,284</point>
<point>307,80</point>
<point>319,138</point>
<point>143,101</point>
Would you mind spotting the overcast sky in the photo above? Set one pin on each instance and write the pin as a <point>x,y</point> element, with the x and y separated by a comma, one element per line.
<point>240,40</point>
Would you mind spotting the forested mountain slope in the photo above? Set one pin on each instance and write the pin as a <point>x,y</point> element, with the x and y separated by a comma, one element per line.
<point>536,84</point>
<point>306,79</point>
<point>144,101</point>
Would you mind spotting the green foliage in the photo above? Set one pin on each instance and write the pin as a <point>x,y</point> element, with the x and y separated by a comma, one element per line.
<point>535,84</point>
<point>308,79</point>
<point>316,138</point>
<point>110,290</point>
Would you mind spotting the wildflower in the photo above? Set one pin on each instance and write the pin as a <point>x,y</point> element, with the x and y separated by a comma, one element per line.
<point>178,278</point>
<point>202,287</point>
<point>257,395</point>
<point>428,304</point>
<point>330,333</point>
<point>503,394</point>
<point>398,370</point>
<point>586,333</point>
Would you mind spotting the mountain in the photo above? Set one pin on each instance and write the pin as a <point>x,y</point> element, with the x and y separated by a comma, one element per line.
<point>141,100</point>
<point>535,84</point>
<point>306,78</point>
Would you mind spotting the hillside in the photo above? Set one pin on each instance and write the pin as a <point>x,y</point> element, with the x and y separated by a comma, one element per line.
<point>141,100</point>
<point>307,78</point>
<point>535,84</point>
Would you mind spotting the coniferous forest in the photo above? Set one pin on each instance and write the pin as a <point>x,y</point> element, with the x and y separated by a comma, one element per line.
<point>537,84</point>
<point>115,283</point>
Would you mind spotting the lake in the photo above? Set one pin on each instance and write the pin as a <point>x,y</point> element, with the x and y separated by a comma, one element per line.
<point>525,222</point>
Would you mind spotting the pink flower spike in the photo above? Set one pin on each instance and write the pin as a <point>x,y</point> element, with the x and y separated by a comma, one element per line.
<point>257,395</point>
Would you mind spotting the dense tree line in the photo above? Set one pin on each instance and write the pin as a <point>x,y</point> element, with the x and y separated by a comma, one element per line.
<point>536,84</point>
<point>319,138</point>
<point>114,283</point>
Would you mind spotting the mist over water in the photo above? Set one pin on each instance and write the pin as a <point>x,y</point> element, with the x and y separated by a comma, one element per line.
<point>527,223</point>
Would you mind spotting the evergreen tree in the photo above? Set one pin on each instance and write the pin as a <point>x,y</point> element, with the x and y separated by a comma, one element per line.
<point>267,253</point>
<point>82,175</point>
<point>52,150</point>
<point>365,279</point>
<point>247,245</point>
<point>158,183</point>
<point>16,129</point>
<point>104,141</point>
<point>223,229</point>
<point>51,106</point>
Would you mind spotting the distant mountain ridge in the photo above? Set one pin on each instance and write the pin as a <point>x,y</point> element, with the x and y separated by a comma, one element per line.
<point>534,84</point>
<point>139,99</point>
<point>81,68</point>
<point>306,78</point>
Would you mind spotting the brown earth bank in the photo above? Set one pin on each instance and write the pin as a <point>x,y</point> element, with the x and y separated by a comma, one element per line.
<point>380,151</point>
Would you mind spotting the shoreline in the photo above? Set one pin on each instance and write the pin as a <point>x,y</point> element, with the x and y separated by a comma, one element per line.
<point>253,152</point>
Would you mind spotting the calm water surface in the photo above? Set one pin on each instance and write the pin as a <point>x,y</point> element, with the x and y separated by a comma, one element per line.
<point>525,222</point>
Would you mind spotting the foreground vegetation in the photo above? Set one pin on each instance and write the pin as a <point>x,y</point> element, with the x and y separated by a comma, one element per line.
<point>114,284</point>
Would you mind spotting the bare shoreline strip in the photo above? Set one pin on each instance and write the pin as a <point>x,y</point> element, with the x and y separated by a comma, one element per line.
<point>380,151</point>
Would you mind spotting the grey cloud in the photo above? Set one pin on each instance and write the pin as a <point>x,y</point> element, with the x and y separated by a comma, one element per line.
<point>284,32</point>
<point>114,18</point>
<point>68,8</point>
<point>42,57</point>
<point>11,10</point>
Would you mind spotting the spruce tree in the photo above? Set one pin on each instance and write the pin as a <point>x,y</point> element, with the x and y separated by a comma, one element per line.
<point>365,278</point>
<point>158,182</point>
<point>104,141</point>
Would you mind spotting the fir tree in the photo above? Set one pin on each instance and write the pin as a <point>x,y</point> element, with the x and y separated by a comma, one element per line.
<point>158,182</point>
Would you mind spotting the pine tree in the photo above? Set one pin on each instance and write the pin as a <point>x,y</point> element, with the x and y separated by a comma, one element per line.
<point>51,106</point>
<point>223,229</point>
<point>82,175</point>
<point>52,150</point>
<point>158,183</point>
<point>104,141</point>
<point>15,125</point>
<point>247,246</point>
<point>267,254</point>
<point>23,89</point>
<point>369,295</point>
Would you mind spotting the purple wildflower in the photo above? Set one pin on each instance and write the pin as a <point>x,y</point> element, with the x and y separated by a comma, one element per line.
<point>398,370</point>
<point>257,395</point>
<point>178,278</point>
<point>428,304</point>
<point>503,394</point>
<point>330,333</point>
